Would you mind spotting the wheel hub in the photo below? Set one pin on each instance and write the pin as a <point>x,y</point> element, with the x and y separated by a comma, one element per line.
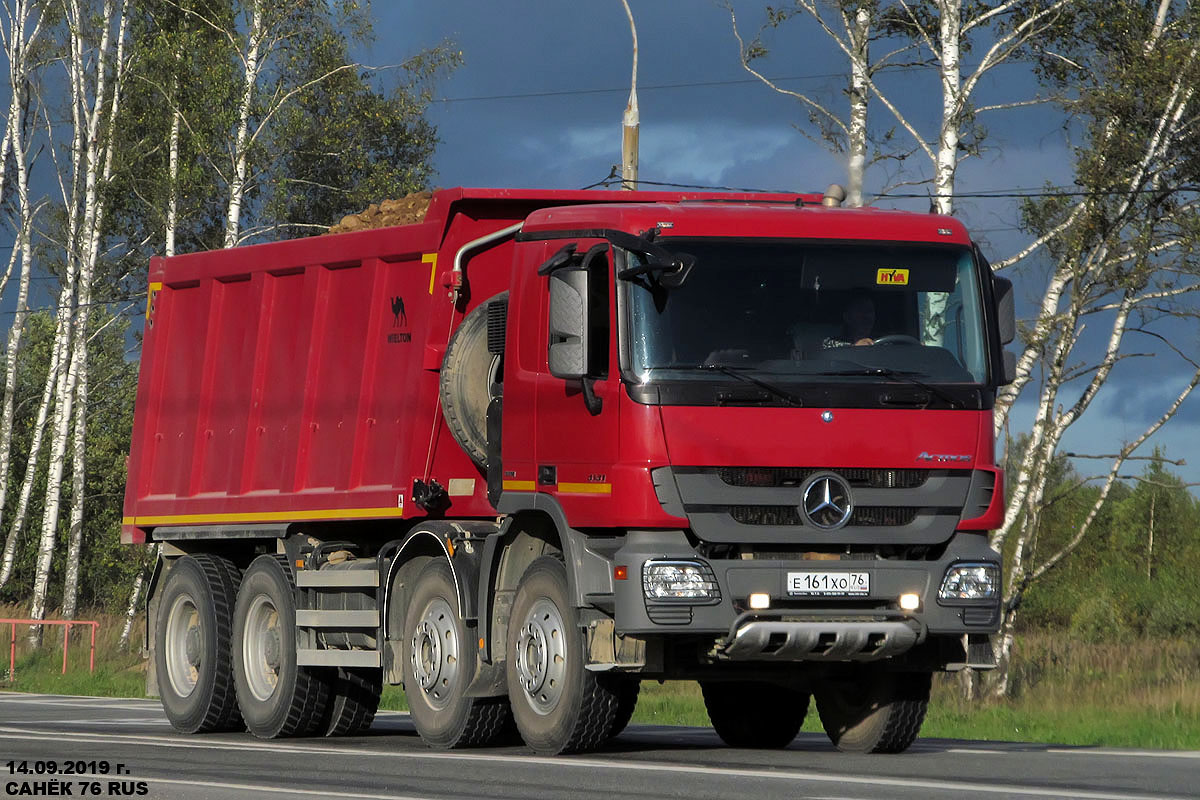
<point>262,647</point>
<point>427,655</point>
<point>541,656</point>
<point>192,645</point>
<point>434,653</point>
<point>531,657</point>
<point>183,645</point>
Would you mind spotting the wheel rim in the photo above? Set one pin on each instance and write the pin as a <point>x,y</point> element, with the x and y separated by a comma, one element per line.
<point>184,645</point>
<point>262,651</point>
<point>541,656</point>
<point>434,653</point>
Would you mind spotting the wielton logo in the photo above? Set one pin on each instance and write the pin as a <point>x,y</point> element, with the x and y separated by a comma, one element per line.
<point>399,320</point>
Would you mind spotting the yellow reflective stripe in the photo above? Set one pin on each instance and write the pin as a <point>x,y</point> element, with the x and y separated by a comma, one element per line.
<point>431,260</point>
<point>585,488</point>
<point>518,486</point>
<point>264,516</point>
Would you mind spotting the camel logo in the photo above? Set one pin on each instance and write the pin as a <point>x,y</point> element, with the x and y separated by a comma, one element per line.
<point>399,320</point>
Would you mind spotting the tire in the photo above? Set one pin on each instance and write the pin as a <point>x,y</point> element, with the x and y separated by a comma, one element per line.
<point>468,372</point>
<point>627,697</point>
<point>353,700</point>
<point>191,645</point>
<point>753,714</point>
<point>439,663</point>
<point>874,711</point>
<point>277,697</point>
<point>558,705</point>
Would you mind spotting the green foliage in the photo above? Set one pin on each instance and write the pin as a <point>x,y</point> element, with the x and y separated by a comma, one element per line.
<point>106,567</point>
<point>1116,584</point>
<point>344,142</point>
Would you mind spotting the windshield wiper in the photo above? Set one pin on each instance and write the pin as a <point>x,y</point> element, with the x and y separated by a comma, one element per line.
<point>899,375</point>
<point>736,372</point>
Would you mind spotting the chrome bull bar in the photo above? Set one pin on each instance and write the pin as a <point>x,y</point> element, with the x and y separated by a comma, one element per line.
<point>778,640</point>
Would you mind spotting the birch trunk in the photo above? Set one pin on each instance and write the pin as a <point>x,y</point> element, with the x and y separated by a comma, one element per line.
<point>241,150</point>
<point>35,450</point>
<point>173,177</point>
<point>94,220</point>
<point>860,61</point>
<point>131,610</point>
<point>19,40</point>
<point>946,163</point>
<point>84,245</point>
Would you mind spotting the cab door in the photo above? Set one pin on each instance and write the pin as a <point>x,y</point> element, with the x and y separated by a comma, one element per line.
<point>576,438</point>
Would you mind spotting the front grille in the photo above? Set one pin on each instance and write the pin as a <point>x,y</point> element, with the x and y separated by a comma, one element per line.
<point>883,516</point>
<point>766,515</point>
<point>985,615</point>
<point>867,516</point>
<point>669,614</point>
<point>859,477</point>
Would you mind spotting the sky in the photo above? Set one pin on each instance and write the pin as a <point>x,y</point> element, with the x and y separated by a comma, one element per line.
<point>539,98</point>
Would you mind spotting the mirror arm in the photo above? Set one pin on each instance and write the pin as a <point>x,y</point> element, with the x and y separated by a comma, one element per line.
<point>590,400</point>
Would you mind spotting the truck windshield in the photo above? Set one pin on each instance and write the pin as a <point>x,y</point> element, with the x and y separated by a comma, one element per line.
<point>810,311</point>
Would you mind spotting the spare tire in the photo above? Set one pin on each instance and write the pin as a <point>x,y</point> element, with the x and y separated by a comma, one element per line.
<point>469,374</point>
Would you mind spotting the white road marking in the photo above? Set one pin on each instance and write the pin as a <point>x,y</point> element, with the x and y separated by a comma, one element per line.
<point>595,763</point>
<point>1079,751</point>
<point>1126,753</point>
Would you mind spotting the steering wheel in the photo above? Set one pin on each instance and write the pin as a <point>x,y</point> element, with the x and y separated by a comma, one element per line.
<point>898,338</point>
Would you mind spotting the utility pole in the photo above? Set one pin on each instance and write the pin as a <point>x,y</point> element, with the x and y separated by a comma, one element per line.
<point>630,122</point>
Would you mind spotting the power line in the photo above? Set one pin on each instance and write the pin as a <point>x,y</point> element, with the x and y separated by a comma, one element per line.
<point>985,194</point>
<point>666,86</point>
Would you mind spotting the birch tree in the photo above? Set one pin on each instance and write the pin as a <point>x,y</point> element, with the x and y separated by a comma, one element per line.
<point>853,25</point>
<point>93,102</point>
<point>1124,259</point>
<point>21,31</point>
<point>926,33</point>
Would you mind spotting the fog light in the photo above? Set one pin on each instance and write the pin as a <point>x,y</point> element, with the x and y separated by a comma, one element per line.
<point>679,581</point>
<point>910,602</point>
<point>760,600</point>
<point>971,582</point>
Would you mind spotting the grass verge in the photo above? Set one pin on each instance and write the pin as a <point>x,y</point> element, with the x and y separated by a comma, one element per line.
<point>1134,694</point>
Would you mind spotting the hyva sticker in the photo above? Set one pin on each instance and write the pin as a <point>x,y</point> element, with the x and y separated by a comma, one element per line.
<point>891,277</point>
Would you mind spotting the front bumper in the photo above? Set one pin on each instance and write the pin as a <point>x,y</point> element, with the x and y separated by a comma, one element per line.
<point>794,628</point>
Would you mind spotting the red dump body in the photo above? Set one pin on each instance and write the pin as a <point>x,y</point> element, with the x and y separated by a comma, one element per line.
<point>298,380</point>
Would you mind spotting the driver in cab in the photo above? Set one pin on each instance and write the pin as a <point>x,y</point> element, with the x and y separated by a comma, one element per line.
<point>858,319</point>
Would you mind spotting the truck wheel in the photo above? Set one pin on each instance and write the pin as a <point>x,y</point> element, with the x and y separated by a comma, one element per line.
<point>468,372</point>
<point>277,697</point>
<point>627,697</point>
<point>875,711</point>
<point>439,664</point>
<point>191,645</point>
<point>753,714</point>
<point>559,706</point>
<point>353,700</point>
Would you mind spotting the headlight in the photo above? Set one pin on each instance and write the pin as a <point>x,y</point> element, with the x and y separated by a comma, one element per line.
<point>679,581</point>
<point>967,582</point>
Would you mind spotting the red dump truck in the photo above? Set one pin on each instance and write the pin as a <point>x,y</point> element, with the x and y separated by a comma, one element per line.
<point>547,444</point>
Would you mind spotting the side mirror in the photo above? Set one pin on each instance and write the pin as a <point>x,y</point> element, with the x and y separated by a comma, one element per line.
<point>1010,368</point>
<point>568,323</point>
<point>1006,315</point>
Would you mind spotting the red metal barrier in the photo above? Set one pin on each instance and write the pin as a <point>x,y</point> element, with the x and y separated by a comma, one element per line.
<point>12,652</point>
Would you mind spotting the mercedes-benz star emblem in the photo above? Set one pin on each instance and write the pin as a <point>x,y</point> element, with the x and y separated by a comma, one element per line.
<point>826,502</point>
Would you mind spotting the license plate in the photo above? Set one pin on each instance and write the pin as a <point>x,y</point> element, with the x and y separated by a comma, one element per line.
<point>829,583</point>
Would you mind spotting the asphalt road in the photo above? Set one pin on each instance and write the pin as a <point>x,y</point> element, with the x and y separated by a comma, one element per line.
<point>644,762</point>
